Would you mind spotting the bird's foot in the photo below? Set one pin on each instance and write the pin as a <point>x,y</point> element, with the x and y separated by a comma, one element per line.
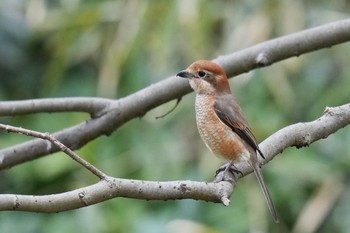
<point>227,172</point>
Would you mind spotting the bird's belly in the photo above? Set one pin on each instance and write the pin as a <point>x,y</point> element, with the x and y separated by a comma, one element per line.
<point>218,137</point>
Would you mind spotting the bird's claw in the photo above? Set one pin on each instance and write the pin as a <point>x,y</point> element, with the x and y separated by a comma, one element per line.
<point>227,172</point>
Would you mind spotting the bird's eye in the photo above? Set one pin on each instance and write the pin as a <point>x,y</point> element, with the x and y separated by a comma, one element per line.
<point>201,74</point>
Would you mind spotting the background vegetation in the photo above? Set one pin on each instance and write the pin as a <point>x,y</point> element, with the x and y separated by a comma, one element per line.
<point>114,48</point>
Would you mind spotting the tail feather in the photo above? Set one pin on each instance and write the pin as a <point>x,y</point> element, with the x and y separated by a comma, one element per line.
<point>265,191</point>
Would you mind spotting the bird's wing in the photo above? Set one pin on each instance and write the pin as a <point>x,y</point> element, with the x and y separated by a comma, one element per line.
<point>231,114</point>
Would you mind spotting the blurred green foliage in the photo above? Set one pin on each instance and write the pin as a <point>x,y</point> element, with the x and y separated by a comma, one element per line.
<point>114,48</point>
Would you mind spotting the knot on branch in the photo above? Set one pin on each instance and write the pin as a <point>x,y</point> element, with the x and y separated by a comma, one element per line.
<point>262,59</point>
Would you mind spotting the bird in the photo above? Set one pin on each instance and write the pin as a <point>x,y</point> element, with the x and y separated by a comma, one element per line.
<point>221,123</point>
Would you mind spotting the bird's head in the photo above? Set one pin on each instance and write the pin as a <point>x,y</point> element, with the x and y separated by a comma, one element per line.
<point>206,78</point>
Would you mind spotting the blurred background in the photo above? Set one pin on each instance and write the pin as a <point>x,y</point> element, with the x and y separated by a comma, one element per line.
<point>113,48</point>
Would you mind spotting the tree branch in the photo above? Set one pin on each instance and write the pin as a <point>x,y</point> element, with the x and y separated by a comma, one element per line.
<point>293,45</point>
<point>111,115</point>
<point>49,138</point>
<point>113,187</point>
<point>303,134</point>
<point>92,105</point>
<point>300,134</point>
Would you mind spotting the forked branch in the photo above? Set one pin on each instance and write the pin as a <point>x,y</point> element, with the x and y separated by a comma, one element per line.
<point>300,134</point>
<point>108,115</point>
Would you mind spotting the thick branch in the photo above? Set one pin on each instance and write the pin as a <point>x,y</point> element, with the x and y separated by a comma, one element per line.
<point>112,187</point>
<point>284,47</point>
<point>303,134</point>
<point>108,119</point>
<point>300,134</point>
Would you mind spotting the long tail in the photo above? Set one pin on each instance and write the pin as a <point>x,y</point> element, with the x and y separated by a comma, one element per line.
<point>263,187</point>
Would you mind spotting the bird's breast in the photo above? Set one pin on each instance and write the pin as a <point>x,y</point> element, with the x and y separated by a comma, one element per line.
<point>218,137</point>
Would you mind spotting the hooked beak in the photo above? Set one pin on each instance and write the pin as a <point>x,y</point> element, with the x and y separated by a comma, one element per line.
<point>185,74</point>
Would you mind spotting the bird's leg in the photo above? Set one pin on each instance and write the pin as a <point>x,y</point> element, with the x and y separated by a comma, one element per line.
<point>227,172</point>
<point>229,167</point>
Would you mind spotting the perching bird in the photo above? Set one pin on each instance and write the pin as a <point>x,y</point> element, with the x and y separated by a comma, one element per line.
<point>220,120</point>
